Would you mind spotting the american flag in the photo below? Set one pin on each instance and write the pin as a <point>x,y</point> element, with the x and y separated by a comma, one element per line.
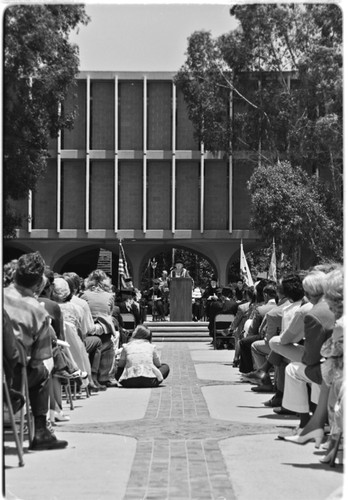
<point>122,267</point>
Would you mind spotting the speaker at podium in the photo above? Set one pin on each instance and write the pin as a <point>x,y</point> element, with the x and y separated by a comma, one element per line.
<point>180,299</point>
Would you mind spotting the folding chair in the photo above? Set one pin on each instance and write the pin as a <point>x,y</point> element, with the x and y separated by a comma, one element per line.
<point>222,322</point>
<point>128,321</point>
<point>335,451</point>
<point>7,400</point>
<point>25,412</point>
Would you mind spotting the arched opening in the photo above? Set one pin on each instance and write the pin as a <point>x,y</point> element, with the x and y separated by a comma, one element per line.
<point>10,252</point>
<point>83,262</point>
<point>200,267</point>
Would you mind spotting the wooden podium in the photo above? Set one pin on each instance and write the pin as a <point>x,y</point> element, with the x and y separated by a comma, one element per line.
<point>180,296</point>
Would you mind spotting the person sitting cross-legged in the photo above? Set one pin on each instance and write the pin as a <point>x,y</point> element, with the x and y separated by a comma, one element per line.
<point>139,364</point>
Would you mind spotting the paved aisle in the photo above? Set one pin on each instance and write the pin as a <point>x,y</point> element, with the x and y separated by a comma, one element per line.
<point>203,435</point>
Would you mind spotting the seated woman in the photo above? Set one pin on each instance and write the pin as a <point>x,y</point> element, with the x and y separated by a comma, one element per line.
<point>139,364</point>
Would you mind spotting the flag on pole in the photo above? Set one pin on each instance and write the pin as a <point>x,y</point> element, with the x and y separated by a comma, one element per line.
<point>272,271</point>
<point>123,273</point>
<point>244,268</point>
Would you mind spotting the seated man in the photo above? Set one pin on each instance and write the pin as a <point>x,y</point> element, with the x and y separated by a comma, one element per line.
<point>224,305</point>
<point>256,328</point>
<point>156,300</point>
<point>31,324</point>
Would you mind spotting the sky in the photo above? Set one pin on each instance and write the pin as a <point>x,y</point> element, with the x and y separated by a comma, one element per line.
<point>145,37</point>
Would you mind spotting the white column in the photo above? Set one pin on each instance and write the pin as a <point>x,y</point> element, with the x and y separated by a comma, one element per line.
<point>144,154</point>
<point>173,156</point>
<point>230,175</point>
<point>202,187</point>
<point>88,128</point>
<point>116,158</point>
<point>59,177</point>
<point>30,210</point>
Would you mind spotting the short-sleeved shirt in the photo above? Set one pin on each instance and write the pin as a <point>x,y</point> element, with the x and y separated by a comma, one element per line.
<point>30,322</point>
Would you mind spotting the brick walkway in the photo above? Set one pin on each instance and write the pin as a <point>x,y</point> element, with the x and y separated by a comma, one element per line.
<point>162,444</point>
<point>177,455</point>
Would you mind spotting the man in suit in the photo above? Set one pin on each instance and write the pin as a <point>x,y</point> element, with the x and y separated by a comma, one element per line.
<point>256,328</point>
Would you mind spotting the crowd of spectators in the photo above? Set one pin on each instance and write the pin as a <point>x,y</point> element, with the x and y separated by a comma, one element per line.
<point>67,330</point>
<point>287,339</point>
<point>289,342</point>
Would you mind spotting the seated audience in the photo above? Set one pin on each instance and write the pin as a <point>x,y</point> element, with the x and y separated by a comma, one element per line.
<point>318,327</point>
<point>269,293</point>
<point>101,300</point>
<point>330,402</point>
<point>31,323</point>
<point>237,329</point>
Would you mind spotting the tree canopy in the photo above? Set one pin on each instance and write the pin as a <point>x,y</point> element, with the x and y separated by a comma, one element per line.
<point>273,88</point>
<point>40,65</point>
<point>290,206</point>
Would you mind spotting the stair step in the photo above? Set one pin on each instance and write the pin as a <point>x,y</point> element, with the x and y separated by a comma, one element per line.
<point>176,329</point>
<point>180,324</point>
<point>180,339</point>
<point>180,334</point>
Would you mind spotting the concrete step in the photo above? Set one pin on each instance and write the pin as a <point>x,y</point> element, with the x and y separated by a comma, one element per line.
<point>159,338</point>
<point>180,324</point>
<point>176,331</point>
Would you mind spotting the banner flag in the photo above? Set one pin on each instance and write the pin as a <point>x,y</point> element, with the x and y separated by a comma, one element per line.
<point>244,268</point>
<point>105,261</point>
<point>272,271</point>
<point>123,273</point>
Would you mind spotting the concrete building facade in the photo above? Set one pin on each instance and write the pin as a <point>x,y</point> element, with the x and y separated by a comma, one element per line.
<point>131,170</point>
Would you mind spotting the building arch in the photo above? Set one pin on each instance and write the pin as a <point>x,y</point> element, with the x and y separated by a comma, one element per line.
<point>14,251</point>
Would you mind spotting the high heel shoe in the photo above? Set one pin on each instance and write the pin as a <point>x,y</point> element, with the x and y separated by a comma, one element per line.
<point>316,435</point>
<point>331,458</point>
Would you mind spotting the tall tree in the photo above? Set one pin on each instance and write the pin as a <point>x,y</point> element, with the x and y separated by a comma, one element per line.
<point>290,206</point>
<point>282,67</point>
<point>40,66</point>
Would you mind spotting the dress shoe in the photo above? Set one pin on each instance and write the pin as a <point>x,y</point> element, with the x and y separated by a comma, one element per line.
<point>295,432</point>
<point>329,457</point>
<point>46,440</point>
<point>60,417</point>
<point>256,377</point>
<point>263,388</point>
<point>108,383</point>
<point>92,387</point>
<point>274,402</point>
<point>99,386</point>
<point>316,435</point>
<point>283,411</point>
